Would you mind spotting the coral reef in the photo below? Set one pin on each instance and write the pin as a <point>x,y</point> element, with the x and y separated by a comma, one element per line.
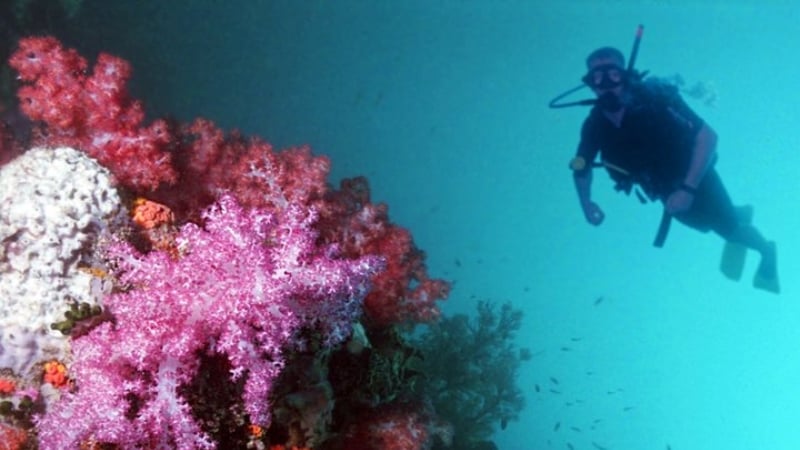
<point>244,303</point>
<point>96,114</point>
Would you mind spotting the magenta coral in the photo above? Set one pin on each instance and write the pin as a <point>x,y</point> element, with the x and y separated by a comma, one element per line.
<point>93,113</point>
<point>243,286</point>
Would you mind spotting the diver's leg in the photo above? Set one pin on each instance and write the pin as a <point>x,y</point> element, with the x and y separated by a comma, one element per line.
<point>744,214</point>
<point>713,209</point>
<point>734,254</point>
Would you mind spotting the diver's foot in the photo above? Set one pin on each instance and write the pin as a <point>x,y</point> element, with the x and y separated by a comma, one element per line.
<point>767,274</point>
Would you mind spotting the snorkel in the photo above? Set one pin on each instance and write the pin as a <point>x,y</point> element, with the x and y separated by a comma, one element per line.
<point>630,74</point>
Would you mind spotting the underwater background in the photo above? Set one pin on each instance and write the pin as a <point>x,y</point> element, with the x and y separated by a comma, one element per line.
<point>443,106</point>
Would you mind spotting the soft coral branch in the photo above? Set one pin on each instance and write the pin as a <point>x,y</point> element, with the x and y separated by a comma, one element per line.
<point>91,112</point>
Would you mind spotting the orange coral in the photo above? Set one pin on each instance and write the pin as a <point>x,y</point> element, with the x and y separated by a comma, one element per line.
<point>7,386</point>
<point>256,431</point>
<point>55,373</point>
<point>149,214</point>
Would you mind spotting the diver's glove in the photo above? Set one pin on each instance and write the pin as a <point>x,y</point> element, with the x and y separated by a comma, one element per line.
<point>594,215</point>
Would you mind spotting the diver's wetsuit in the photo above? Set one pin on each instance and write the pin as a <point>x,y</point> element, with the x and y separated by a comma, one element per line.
<point>652,148</point>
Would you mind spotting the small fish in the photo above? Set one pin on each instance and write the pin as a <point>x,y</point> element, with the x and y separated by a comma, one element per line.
<point>598,446</point>
<point>598,300</point>
<point>554,380</point>
<point>503,423</point>
<point>566,349</point>
<point>589,373</point>
<point>575,429</point>
<point>538,389</point>
<point>457,262</point>
<point>556,426</point>
<point>576,339</point>
<point>568,403</point>
<point>628,408</point>
<point>597,420</point>
<point>555,391</point>
<point>570,446</point>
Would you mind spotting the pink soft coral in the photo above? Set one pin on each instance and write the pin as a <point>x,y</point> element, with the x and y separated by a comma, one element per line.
<point>243,286</point>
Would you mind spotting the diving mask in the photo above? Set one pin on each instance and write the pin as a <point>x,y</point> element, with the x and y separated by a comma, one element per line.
<point>604,76</point>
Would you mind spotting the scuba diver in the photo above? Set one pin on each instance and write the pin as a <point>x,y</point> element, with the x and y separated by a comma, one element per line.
<point>651,142</point>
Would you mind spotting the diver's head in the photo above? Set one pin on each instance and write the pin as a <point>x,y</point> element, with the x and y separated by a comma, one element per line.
<point>605,55</point>
<point>606,76</point>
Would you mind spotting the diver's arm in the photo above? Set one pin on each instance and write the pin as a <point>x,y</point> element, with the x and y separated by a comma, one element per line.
<point>703,156</point>
<point>583,184</point>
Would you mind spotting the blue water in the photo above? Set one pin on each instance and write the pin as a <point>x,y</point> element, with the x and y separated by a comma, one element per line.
<point>442,104</point>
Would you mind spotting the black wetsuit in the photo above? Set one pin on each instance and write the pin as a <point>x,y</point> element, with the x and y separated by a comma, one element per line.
<point>652,148</point>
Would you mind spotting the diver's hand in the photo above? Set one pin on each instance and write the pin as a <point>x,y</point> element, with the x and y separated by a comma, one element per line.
<point>679,202</point>
<point>594,215</point>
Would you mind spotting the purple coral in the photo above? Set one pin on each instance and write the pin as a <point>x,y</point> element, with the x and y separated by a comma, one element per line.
<point>243,286</point>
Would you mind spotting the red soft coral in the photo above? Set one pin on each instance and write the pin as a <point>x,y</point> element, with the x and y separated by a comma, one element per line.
<point>401,293</point>
<point>12,438</point>
<point>394,426</point>
<point>93,113</point>
<point>211,161</point>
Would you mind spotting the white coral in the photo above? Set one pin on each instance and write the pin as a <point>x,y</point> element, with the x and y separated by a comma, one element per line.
<point>55,204</point>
